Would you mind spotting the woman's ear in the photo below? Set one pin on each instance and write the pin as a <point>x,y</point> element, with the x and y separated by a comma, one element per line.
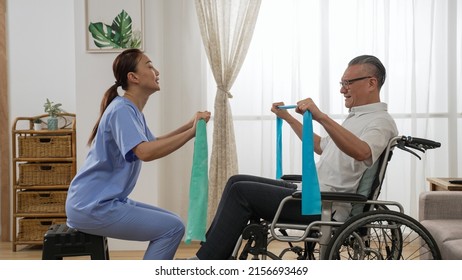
<point>132,77</point>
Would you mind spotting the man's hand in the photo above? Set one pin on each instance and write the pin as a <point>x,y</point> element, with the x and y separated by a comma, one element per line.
<point>308,104</point>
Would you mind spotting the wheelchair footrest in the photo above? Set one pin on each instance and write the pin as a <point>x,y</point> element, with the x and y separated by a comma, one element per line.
<point>257,236</point>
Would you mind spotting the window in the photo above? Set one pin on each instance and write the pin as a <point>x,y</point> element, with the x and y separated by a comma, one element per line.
<point>301,48</point>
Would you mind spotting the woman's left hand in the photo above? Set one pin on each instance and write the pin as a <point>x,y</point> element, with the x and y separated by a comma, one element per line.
<point>204,115</point>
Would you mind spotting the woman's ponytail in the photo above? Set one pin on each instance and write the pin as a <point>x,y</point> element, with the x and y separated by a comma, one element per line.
<point>109,95</point>
<point>124,63</point>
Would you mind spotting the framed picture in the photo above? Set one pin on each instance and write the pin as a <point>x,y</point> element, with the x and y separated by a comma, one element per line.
<point>114,25</point>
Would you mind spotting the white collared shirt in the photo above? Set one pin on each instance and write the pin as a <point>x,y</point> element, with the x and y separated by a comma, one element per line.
<point>338,172</point>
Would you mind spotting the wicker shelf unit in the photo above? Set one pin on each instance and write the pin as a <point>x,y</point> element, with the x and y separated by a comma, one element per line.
<point>44,163</point>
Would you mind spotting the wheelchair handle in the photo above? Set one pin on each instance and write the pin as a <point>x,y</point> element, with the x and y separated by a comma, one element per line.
<point>420,144</point>
<point>427,144</point>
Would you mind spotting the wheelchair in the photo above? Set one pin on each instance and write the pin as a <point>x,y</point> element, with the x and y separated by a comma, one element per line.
<point>375,230</point>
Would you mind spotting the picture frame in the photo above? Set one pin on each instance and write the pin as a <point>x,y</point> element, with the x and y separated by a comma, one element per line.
<point>114,25</point>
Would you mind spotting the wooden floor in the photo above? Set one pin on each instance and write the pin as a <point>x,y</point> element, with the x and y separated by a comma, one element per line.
<point>184,251</point>
<point>35,252</point>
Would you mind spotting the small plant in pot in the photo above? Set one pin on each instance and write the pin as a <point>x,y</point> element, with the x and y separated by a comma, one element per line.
<point>37,124</point>
<point>53,110</point>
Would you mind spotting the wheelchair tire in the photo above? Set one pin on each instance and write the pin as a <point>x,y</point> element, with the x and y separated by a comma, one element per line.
<point>382,235</point>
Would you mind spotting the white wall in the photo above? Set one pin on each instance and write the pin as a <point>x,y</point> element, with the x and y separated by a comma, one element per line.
<point>41,56</point>
<point>54,64</point>
<point>41,60</point>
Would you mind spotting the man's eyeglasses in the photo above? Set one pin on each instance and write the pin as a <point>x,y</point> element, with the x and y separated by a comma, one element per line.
<point>346,83</point>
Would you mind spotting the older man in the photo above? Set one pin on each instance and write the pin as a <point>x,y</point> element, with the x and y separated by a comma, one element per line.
<point>346,153</point>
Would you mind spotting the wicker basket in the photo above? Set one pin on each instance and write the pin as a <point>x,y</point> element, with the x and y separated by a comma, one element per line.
<point>45,174</point>
<point>41,201</point>
<point>35,229</point>
<point>44,146</point>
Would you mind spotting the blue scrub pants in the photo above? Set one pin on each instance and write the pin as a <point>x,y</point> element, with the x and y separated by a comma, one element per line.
<point>142,222</point>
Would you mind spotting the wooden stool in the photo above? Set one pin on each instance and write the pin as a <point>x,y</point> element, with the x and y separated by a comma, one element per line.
<point>62,241</point>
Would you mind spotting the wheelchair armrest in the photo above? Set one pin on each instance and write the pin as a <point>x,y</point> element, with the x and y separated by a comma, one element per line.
<point>336,196</point>
<point>292,177</point>
<point>297,194</point>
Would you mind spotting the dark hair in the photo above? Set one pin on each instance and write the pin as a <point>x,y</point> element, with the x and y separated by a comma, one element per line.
<point>376,68</point>
<point>123,64</point>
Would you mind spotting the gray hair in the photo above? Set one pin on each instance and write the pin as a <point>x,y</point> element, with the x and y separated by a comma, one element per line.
<point>375,68</point>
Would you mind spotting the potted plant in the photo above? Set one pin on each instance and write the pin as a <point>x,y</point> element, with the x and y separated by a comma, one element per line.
<point>37,124</point>
<point>53,110</point>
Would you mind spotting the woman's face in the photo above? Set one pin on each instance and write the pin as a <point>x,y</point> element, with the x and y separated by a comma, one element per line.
<point>148,76</point>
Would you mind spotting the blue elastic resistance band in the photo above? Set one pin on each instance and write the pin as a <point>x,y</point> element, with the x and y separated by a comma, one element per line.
<point>311,196</point>
<point>279,141</point>
<point>199,187</point>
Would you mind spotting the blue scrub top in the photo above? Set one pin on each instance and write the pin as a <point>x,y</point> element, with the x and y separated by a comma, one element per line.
<point>111,169</point>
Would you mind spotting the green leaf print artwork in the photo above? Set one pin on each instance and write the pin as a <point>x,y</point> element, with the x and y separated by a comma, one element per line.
<point>118,35</point>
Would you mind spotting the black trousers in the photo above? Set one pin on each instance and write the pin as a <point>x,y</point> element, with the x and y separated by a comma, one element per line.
<point>247,197</point>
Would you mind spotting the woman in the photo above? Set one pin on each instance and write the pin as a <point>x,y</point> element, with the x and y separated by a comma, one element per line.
<point>97,201</point>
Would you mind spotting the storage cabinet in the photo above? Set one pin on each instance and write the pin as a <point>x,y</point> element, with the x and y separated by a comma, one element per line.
<point>44,163</point>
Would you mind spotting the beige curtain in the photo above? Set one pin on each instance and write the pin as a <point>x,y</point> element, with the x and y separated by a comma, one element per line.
<point>226,27</point>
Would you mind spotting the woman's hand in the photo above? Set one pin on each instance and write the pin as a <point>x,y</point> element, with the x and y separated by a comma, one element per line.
<point>204,115</point>
<point>166,144</point>
<point>201,115</point>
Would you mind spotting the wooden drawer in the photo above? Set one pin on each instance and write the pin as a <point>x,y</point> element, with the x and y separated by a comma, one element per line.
<point>35,229</point>
<point>45,146</point>
<point>41,202</point>
<point>45,174</point>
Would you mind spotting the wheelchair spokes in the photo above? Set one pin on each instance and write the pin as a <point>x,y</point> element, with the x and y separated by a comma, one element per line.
<point>390,236</point>
<point>373,231</point>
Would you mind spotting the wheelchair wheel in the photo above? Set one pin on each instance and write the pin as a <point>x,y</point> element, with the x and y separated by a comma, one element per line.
<point>382,235</point>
